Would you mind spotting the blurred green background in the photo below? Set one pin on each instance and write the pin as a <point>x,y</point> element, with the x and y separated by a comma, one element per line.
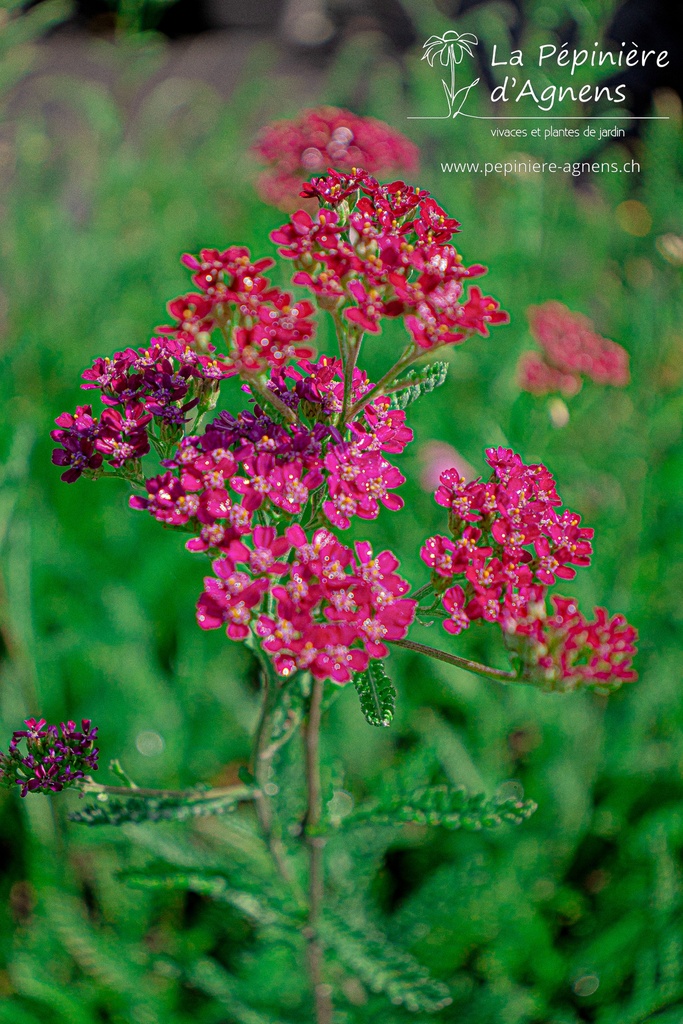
<point>117,155</point>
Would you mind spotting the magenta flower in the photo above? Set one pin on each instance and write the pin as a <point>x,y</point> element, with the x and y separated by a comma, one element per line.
<point>333,609</point>
<point>443,557</point>
<point>77,434</point>
<point>454,603</point>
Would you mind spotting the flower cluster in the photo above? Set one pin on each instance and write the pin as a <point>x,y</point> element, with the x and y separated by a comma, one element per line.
<point>313,604</point>
<point>571,349</point>
<point>509,542</point>
<point>55,758</point>
<point>181,370</point>
<point>376,251</point>
<point>216,481</point>
<point>322,138</point>
<point>566,651</point>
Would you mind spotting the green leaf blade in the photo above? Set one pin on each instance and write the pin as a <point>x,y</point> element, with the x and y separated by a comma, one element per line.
<point>376,693</point>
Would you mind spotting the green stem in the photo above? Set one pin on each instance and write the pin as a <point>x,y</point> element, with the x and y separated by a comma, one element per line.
<point>316,845</point>
<point>419,594</point>
<point>237,792</point>
<point>340,331</point>
<point>498,674</point>
<point>257,385</point>
<point>408,357</point>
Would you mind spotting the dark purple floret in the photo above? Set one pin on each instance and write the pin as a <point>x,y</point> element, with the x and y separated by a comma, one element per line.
<point>55,757</point>
<point>78,454</point>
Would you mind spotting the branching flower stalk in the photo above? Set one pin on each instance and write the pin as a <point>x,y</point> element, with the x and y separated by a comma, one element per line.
<point>266,492</point>
<point>500,675</point>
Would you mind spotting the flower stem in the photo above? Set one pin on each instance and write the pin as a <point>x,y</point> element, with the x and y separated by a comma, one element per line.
<point>419,594</point>
<point>408,357</point>
<point>257,385</point>
<point>236,792</point>
<point>498,674</point>
<point>316,846</point>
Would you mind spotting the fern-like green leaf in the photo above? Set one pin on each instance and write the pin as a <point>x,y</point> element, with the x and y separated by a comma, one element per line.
<point>419,382</point>
<point>451,807</point>
<point>114,810</point>
<point>382,966</point>
<point>377,694</point>
<point>216,887</point>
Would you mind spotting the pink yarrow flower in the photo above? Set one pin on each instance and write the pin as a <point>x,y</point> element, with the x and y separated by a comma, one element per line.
<point>333,607</point>
<point>571,349</point>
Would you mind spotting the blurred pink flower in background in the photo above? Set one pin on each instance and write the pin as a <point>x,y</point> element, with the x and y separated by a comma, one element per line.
<point>438,456</point>
<point>540,378</point>
<point>571,349</point>
<point>324,137</point>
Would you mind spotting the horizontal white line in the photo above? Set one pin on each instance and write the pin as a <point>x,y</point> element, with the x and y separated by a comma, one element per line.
<point>546,117</point>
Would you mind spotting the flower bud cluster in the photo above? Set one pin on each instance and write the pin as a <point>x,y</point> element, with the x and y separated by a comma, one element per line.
<point>570,349</point>
<point>54,758</point>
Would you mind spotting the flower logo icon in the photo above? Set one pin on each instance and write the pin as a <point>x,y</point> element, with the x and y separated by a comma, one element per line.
<point>450,48</point>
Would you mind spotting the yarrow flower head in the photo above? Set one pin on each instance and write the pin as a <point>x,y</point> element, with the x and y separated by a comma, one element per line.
<point>509,542</point>
<point>322,138</point>
<point>249,463</point>
<point>566,651</point>
<point>570,350</point>
<point>333,608</point>
<point>49,757</point>
<point>397,261</point>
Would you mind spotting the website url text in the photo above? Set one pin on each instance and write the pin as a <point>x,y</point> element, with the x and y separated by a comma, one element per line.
<point>536,167</point>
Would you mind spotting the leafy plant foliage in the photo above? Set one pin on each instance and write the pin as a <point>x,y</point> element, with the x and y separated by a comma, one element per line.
<point>114,810</point>
<point>422,382</point>
<point>377,694</point>
<point>448,806</point>
<point>384,967</point>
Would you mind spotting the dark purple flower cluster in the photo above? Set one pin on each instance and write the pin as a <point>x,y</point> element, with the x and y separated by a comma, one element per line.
<point>54,759</point>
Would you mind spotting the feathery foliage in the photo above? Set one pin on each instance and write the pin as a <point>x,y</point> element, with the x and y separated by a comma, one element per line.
<point>115,810</point>
<point>422,382</point>
<point>382,966</point>
<point>451,807</point>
